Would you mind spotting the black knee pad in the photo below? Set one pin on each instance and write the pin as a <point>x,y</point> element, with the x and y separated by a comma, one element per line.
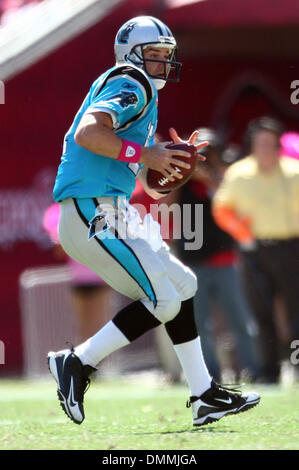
<point>135,320</point>
<point>182,328</point>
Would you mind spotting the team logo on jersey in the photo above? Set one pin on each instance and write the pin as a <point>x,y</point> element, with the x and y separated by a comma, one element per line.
<point>125,98</point>
<point>123,35</point>
<point>98,224</point>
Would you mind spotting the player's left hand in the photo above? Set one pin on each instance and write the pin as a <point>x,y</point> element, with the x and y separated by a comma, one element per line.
<point>176,139</point>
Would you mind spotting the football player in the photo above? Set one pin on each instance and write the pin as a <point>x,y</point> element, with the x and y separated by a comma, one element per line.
<point>110,142</point>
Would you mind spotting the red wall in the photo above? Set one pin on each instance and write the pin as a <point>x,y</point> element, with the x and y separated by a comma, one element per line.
<point>39,107</point>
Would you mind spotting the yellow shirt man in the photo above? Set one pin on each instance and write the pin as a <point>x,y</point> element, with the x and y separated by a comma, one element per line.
<point>253,204</point>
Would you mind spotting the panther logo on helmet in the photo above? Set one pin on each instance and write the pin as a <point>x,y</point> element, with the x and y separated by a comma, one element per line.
<point>123,35</point>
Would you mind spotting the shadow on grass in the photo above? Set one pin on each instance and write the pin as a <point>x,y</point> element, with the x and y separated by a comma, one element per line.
<point>201,430</point>
<point>184,431</point>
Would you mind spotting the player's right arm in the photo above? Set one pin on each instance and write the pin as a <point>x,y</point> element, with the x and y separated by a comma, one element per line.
<point>95,133</point>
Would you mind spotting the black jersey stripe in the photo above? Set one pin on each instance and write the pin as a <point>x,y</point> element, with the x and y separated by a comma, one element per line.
<point>139,77</point>
<point>137,259</point>
<point>132,72</point>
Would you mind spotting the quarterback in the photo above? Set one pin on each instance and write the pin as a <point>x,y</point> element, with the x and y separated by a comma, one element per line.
<point>109,144</point>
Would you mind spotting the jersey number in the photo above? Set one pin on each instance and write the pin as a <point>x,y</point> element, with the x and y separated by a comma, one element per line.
<point>151,132</point>
<point>134,167</point>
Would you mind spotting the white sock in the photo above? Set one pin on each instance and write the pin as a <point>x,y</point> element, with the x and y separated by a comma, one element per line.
<point>193,365</point>
<point>104,342</point>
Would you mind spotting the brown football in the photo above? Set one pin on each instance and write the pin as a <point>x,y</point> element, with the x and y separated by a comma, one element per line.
<point>160,183</point>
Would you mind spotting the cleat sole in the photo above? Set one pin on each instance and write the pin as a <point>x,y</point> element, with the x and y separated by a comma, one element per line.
<point>212,419</point>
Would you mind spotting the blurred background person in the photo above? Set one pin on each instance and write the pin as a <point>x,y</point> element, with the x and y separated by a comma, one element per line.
<point>215,265</point>
<point>90,295</point>
<point>258,204</point>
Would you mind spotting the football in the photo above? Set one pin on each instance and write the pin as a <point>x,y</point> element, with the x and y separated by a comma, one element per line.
<point>160,183</point>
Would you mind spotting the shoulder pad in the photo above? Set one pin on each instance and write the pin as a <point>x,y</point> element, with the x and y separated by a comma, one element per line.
<point>133,72</point>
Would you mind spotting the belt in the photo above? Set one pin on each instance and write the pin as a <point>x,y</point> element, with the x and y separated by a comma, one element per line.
<point>276,241</point>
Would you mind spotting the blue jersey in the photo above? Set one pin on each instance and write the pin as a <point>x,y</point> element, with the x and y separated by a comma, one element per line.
<point>130,97</point>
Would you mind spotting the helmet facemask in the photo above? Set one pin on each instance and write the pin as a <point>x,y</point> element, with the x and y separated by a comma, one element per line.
<point>171,66</point>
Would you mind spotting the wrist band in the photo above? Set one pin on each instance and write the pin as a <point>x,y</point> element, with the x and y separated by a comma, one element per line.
<point>130,152</point>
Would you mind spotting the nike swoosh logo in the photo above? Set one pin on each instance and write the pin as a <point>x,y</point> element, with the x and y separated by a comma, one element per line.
<point>73,406</point>
<point>228,400</point>
<point>71,395</point>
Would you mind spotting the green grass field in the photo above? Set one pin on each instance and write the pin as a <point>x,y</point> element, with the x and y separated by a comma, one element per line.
<point>141,415</point>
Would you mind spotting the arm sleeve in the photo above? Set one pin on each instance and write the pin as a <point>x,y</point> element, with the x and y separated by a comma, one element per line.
<point>121,98</point>
<point>224,210</point>
<point>228,220</point>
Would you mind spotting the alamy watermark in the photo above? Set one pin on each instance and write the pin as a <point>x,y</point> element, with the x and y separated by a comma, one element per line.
<point>294,358</point>
<point>2,92</point>
<point>2,352</point>
<point>295,94</point>
<point>129,221</point>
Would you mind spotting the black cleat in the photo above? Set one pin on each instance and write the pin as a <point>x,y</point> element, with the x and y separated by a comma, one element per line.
<point>219,401</point>
<point>72,379</point>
